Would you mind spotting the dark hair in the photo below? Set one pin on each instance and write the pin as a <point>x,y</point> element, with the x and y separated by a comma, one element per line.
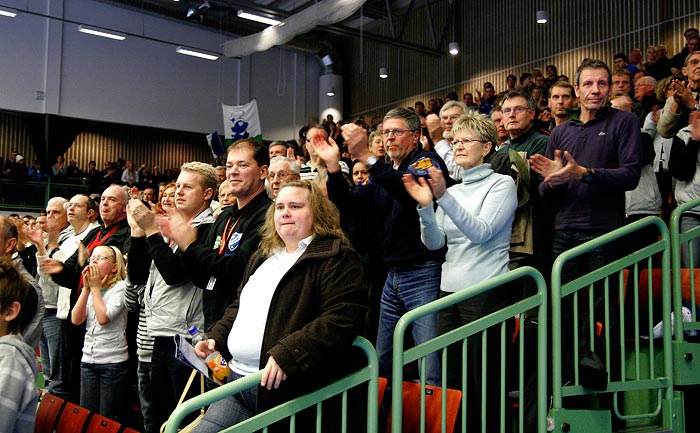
<point>488,85</point>
<point>260,153</point>
<point>591,63</point>
<point>15,288</point>
<point>524,77</point>
<point>622,56</point>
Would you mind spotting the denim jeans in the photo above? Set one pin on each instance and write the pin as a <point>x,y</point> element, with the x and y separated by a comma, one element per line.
<point>53,352</point>
<point>407,288</point>
<point>146,397</point>
<point>103,388</point>
<point>688,222</point>
<point>168,379</point>
<point>229,411</point>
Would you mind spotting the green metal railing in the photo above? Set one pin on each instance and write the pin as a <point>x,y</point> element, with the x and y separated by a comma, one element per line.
<point>26,196</point>
<point>608,277</point>
<point>686,354</point>
<point>677,240</point>
<point>476,329</point>
<point>367,375</point>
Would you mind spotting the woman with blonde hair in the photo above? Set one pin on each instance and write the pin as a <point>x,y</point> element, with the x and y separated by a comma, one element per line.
<point>300,306</point>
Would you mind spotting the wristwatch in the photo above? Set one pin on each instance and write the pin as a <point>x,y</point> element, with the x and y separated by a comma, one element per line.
<point>371,161</point>
<point>588,177</point>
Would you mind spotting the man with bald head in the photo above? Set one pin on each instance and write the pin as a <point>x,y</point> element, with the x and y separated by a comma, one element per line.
<point>114,232</point>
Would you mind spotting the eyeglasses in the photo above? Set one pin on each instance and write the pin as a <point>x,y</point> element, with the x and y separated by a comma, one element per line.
<point>452,117</point>
<point>99,259</point>
<point>516,110</point>
<point>465,142</point>
<point>75,205</point>
<point>282,175</point>
<point>396,132</point>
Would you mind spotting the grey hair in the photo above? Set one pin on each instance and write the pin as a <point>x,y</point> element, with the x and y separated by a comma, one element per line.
<point>450,104</point>
<point>293,166</point>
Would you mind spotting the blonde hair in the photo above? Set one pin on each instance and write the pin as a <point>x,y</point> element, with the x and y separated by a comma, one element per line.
<point>120,273</point>
<point>326,218</point>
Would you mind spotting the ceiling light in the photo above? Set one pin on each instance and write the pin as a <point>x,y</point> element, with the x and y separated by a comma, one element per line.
<point>541,17</point>
<point>196,53</point>
<point>96,31</point>
<point>197,8</point>
<point>383,73</point>
<point>331,92</point>
<point>253,17</point>
<point>454,48</point>
<point>8,12</point>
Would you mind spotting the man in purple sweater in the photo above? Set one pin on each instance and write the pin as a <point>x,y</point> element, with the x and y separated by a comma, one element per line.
<point>590,161</point>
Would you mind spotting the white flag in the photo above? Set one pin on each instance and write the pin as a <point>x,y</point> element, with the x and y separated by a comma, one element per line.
<point>241,121</point>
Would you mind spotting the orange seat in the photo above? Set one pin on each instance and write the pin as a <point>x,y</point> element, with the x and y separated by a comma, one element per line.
<point>101,424</point>
<point>72,419</point>
<point>411,422</point>
<point>47,414</point>
<point>657,284</point>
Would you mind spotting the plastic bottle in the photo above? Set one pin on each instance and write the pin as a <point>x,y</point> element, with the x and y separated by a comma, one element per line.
<point>216,363</point>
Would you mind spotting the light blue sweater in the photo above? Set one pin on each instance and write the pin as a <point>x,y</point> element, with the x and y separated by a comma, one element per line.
<point>474,218</point>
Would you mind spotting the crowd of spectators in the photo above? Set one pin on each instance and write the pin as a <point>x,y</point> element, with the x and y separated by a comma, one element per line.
<point>430,198</point>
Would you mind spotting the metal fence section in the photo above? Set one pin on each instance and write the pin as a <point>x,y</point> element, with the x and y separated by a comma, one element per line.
<point>367,375</point>
<point>685,274</point>
<point>477,329</point>
<point>592,308</point>
<point>32,196</point>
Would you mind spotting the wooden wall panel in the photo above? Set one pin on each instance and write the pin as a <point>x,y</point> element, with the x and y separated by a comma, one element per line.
<point>499,37</point>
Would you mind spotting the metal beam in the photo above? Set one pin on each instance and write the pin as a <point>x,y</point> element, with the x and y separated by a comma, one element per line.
<point>345,31</point>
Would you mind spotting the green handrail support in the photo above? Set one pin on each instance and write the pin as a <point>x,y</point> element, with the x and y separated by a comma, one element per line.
<point>604,278</point>
<point>368,374</point>
<point>686,355</point>
<point>474,329</point>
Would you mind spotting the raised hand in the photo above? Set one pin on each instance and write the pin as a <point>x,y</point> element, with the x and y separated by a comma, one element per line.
<point>355,137</point>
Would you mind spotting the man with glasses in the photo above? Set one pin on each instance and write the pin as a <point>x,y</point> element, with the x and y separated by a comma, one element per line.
<point>414,271</point>
<point>281,170</point>
<point>440,131</point>
<point>644,94</point>
<point>518,110</point>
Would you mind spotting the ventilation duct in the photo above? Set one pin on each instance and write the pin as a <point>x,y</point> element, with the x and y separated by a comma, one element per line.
<point>326,12</point>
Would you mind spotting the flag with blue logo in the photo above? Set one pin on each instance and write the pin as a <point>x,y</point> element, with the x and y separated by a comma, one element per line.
<point>241,121</point>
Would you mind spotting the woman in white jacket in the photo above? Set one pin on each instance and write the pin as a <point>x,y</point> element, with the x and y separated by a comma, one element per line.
<point>474,219</point>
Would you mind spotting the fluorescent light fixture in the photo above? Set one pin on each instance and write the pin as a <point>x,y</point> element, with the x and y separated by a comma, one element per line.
<point>541,17</point>
<point>8,12</point>
<point>253,17</point>
<point>101,32</point>
<point>454,48</point>
<point>383,73</point>
<point>331,92</point>
<point>196,53</point>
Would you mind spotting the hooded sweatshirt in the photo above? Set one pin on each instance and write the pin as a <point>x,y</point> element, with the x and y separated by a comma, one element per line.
<point>18,392</point>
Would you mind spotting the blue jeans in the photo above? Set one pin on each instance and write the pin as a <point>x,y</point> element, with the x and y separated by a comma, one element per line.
<point>229,411</point>
<point>146,397</point>
<point>688,222</point>
<point>407,288</point>
<point>52,352</point>
<point>103,388</point>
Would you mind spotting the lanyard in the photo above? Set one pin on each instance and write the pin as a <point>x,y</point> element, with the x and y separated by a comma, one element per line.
<point>99,240</point>
<point>227,234</point>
